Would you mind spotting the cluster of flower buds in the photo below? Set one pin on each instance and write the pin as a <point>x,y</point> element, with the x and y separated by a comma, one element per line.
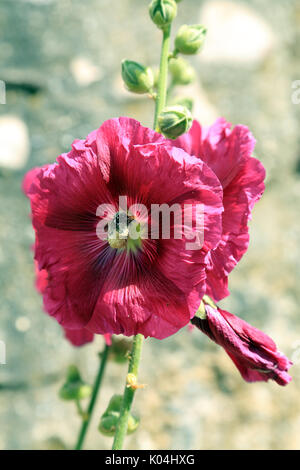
<point>176,119</point>
<point>111,415</point>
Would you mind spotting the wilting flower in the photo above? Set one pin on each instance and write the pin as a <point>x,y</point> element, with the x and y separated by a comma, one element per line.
<point>228,153</point>
<point>253,352</point>
<point>148,286</point>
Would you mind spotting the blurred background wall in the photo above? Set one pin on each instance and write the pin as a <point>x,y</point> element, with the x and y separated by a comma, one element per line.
<point>60,60</point>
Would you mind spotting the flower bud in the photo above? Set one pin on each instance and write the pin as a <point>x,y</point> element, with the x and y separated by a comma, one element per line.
<point>137,78</point>
<point>190,38</point>
<point>110,418</point>
<point>133,424</point>
<point>182,72</point>
<point>162,12</point>
<point>120,349</point>
<point>74,388</point>
<point>174,121</point>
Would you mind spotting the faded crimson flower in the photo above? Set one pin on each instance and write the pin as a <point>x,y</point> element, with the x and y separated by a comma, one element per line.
<point>253,352</point>
<point>153,288</point>
<point>228,153</point>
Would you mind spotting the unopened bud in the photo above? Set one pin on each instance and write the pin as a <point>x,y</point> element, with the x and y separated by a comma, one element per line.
<point>133,423</point>
<point>190,39</point>
<point>120,349</point>
<point>174,121</point>
<point>110,418</point>
<point>74,388</point>
<point>162,12</point>
<point>137,78</point>
<point>182,72</point>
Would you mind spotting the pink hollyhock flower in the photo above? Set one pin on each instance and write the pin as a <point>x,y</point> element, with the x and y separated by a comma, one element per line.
<point>228,153</point>
<point>153,288</point>
<point>253,352</point>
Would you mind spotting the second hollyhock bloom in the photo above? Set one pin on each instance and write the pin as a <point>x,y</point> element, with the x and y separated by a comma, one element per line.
<point>228,152</point>
<point>151,287</point>
<point>253,352</point>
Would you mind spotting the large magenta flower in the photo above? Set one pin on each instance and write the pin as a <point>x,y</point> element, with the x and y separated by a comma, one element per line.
<point>152,287</point>
<point>228,153</point>
<point>252,351</point>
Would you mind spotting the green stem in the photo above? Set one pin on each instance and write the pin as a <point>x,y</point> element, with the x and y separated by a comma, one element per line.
<point>163,76</point>
<point>170,90</point>
<point>79,409</point>
<point>129,392</point>
<point>96,388</point>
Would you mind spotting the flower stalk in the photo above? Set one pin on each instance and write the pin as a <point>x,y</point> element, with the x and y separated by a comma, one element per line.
<point>129,392</point>
<point>86,417</point>
<point>163,76</point>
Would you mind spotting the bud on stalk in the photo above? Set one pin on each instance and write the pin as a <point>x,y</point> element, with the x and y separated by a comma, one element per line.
<point>74,388</point>
<point>190,39</point>
<point>174,121</point>
<point>109,419</point>
<point>162,12</point>
<point>137,77</point>
<point>182,72</point>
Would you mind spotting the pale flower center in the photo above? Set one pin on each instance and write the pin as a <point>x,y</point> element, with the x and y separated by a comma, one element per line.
<point>124,232</point>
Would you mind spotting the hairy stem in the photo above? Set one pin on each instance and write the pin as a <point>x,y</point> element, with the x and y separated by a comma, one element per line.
<point>129,392</point>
